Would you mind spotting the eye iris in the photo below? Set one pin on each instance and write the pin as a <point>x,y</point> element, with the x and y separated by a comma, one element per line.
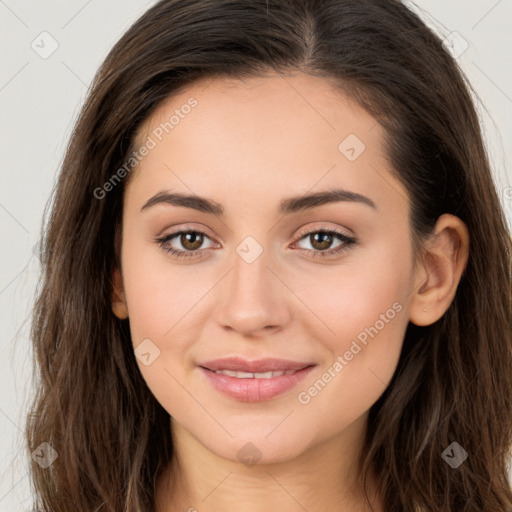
<point>321,240</point>
<point>196,240</point>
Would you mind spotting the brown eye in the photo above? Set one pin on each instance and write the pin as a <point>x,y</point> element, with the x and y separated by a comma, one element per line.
<point>191,240</point>
<point>321,240</point>
<point>184,244</point>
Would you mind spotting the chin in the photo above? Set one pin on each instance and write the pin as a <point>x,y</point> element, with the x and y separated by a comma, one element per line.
<point>251,448</point>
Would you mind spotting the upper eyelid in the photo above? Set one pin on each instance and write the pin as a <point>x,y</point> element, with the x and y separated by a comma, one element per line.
<point>302,233</point>
<point>340,231</point>
<point>190,227</point>
<point>184,229</point>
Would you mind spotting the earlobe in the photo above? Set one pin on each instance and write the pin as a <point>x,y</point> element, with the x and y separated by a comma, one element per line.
<point>444,261</point>
<point>119,307</point>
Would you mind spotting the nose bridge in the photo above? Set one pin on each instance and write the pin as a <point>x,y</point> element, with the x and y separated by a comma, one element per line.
<point>253,296</point>
<point>250,272</point>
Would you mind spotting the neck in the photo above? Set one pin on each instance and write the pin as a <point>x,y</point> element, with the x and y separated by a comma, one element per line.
<point>323,478</point>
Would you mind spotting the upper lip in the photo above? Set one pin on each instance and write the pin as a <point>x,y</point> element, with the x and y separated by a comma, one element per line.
<point>259,366</point>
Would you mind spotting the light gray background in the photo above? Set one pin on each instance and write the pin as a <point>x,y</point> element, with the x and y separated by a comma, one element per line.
<point>40,99</point>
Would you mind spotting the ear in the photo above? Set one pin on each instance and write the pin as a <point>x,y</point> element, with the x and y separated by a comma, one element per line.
<point>118,298</point>
<point>438,275</point>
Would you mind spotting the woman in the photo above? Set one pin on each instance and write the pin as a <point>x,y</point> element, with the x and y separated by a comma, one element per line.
<point>276,273</point>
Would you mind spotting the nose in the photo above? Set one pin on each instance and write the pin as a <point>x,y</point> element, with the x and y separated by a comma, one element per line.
<point>254,299</point>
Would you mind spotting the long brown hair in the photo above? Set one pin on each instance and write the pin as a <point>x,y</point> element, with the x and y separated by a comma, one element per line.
<point>453,382</point>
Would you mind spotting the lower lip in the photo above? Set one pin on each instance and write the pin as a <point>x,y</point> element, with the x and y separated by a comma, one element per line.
<point>254,390</point>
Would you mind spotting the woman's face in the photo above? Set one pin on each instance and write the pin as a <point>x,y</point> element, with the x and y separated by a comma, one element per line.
<point>268,282</point>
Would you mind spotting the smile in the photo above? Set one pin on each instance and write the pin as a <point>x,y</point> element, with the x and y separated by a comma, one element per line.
<point>254,381</point>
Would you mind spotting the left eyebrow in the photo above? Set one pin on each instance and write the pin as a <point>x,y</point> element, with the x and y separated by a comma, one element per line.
<point>299,203</point>
<point>287,206</point>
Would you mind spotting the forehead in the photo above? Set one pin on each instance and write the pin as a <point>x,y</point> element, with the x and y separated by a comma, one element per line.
<point>265,134</point>
<point>262,105</point>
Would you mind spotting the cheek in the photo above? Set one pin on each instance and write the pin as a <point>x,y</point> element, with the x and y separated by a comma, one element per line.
<point>352,297</point>
<point>350,384</point>
<point>164,303</point>
<point>364,306</point>
<point>161,295</point>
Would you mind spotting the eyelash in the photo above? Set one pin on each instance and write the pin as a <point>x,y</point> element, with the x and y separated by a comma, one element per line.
<point>348,241</point>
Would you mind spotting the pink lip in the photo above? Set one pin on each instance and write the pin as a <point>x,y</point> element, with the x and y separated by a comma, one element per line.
<point>254,389</point>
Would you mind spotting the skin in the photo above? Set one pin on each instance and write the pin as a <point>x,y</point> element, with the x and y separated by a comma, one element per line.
<point>247,145</point>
